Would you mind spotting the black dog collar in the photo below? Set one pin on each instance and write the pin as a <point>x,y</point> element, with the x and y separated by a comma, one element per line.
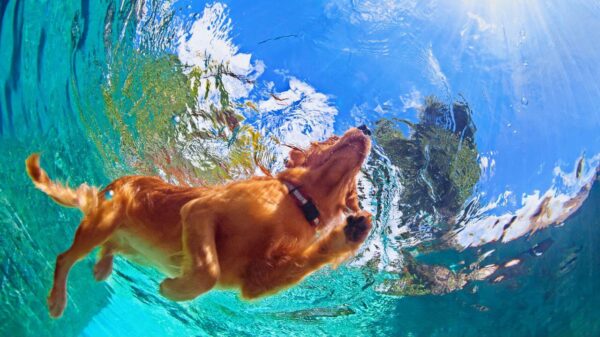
<point>311,213</point>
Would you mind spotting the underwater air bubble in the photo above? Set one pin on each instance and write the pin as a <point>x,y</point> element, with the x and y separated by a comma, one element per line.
<point>108,195</point>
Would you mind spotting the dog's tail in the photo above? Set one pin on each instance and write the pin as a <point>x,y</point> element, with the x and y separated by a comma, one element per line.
<point>84,197</point>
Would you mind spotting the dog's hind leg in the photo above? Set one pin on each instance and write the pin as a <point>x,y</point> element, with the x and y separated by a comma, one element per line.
<point>104,266</point>
<point>200,269</point>
<point>94,230</point>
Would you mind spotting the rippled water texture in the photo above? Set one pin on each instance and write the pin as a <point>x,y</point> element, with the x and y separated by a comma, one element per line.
<point>482,180</point>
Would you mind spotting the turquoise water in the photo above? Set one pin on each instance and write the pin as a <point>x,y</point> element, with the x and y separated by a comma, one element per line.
<point>198,93</point>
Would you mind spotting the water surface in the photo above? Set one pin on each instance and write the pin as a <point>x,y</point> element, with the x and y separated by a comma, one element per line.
<point>486,151</point>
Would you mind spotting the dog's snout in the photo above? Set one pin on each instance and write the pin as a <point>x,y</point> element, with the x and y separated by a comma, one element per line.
<point>365,129</point>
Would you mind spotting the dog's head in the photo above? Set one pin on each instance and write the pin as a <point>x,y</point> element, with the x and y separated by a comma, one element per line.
<point>300,157</point>
<point>319,152</point>
<point>328,169</point>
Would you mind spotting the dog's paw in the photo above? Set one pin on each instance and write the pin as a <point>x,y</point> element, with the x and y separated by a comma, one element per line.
<point>168,289</point>
<point>177,289</point>
<point>57,301</point>
<point>358,226</point>
<point>103,269</point>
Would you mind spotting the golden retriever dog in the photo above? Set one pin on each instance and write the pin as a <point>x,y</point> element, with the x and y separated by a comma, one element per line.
<point>260,235</point>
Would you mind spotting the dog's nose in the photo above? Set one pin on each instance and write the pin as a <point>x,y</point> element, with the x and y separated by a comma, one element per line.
<point>365,129</point>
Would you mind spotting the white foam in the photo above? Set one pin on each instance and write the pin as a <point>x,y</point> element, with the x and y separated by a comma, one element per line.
<point>209,39</point>
<point>414,100</point>
<point>298,115</point>
<point>436,74</point>
<point>537,210</point>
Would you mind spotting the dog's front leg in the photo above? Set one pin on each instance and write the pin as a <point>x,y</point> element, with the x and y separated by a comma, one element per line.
<point>272,276</point>
<point>200,266</point>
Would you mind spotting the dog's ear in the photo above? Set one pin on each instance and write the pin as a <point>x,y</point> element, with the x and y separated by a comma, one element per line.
<point>296,158</point>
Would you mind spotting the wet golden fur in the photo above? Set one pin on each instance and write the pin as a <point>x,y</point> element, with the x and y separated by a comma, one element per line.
<point>248,234</point>
<point>316,154</point>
